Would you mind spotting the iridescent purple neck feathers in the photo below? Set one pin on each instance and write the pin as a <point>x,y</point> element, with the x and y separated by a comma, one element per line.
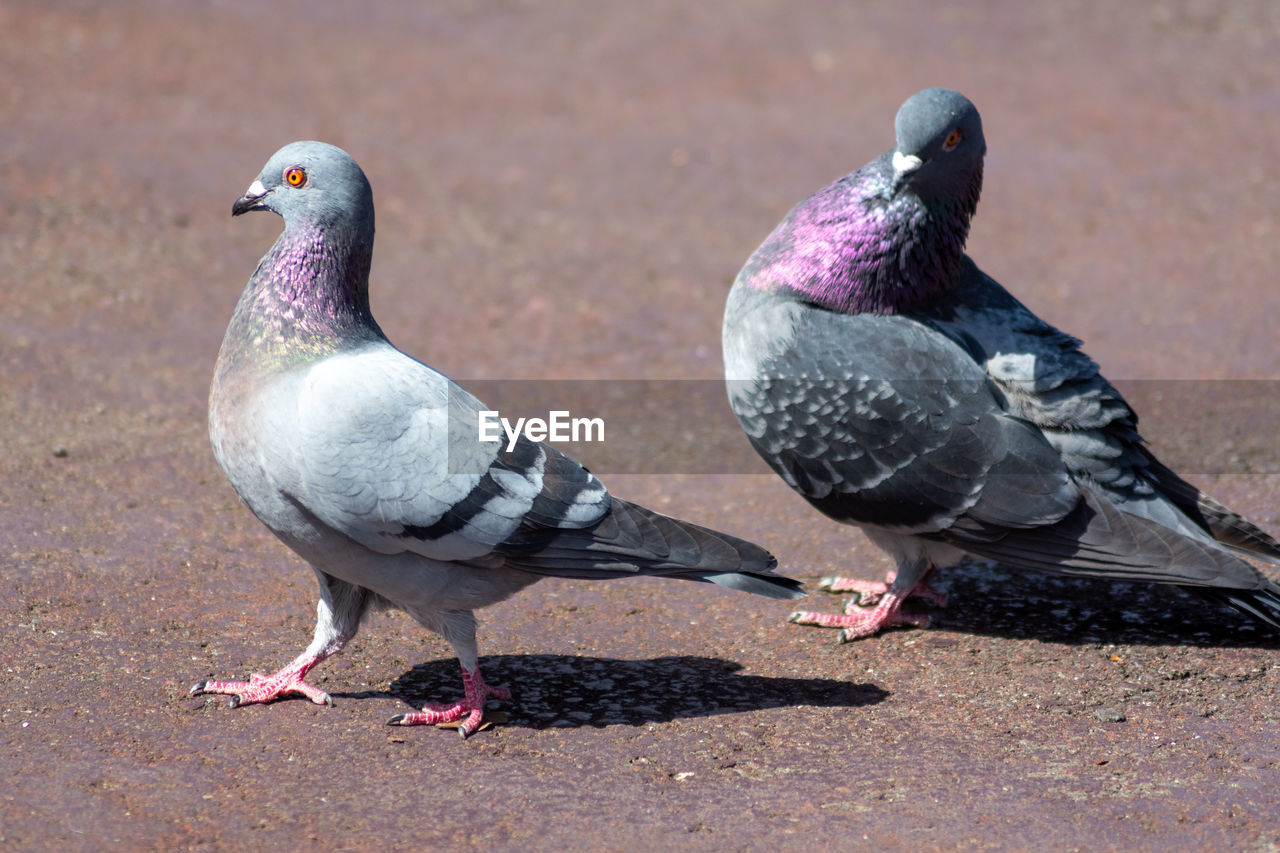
<point>859,248</point>
<point>309,297</point>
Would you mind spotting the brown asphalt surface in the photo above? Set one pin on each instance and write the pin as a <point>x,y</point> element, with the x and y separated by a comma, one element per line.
<point>565,191</point>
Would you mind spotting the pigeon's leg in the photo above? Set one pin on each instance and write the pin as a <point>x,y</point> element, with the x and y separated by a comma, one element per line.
<point>459,628</point>
<point>870,592</point>
<point>338,615</point>
<point>475,694</point>
<point>860,622</point>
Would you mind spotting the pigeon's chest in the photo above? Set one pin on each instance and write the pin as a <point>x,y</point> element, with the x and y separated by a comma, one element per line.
<point>250,428</point>
<point>759,328</point>
<point>775,346</point>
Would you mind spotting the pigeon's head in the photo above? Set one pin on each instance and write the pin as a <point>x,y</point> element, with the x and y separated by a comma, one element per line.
<point>312,183</point>
<point>940,145</point>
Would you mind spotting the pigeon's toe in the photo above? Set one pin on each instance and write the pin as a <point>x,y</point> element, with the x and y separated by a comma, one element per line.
<point>858,622</point>
<point>267,688</point>
<point>467,713</point>
<point>866,593</point>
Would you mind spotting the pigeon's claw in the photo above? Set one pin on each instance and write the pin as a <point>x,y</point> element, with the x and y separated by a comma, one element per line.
<point>868,592</point>
<point>435,714</point>
<point>470,710</point>
<point>884,615</point>
<point>267,688</point>
<point>859,622</point>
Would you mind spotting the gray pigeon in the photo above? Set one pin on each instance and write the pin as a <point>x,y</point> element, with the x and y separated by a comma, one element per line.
<point>369,464</point>
<point>897,387</point>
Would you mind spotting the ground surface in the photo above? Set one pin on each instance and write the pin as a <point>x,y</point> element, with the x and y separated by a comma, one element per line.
<point>565,191</point>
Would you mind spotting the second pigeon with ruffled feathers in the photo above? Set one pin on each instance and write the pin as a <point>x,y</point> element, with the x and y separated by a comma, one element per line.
<point>897,387</point>
<point>369,464</point>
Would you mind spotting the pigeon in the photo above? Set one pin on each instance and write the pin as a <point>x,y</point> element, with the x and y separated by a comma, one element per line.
<point>898,388</point>
<point>371,466</point>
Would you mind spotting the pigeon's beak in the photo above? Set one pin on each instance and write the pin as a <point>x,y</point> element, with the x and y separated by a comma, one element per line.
<point>904,166</point>
<point>251,200</point>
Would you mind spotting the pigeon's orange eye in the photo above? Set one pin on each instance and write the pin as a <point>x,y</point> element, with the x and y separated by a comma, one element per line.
<point>295,177</point>
<point>953,139</point>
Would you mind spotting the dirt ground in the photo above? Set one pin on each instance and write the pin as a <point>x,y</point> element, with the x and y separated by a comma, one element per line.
<point>565,191</point>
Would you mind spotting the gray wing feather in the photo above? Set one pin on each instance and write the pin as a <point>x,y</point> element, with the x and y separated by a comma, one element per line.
<point>1012,446</point>
<point>399,466</point>
<point>833,416</point>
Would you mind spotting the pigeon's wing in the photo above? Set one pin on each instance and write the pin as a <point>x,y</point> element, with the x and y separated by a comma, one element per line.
<point>387,452</point>
<point>883,420</point>
<point>1045,378</point>
<point>1225,525</point>
<point>632,540</point>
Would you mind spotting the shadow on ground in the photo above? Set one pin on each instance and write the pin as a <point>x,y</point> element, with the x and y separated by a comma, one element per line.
<point>568,692</point>
<point>992,600</point>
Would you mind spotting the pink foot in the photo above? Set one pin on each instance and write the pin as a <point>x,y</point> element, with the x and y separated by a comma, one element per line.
<point>476,693</point>
<point>870,592</point>
<point>266,688</point>
<point>859,623</point>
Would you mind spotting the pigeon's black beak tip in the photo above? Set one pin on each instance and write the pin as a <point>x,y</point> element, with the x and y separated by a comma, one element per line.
<point>244,204</point>
<point>251,200</point>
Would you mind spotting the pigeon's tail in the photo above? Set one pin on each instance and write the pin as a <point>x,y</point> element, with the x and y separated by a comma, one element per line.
<point>1218,521</point>
<point>1262,604</point>
<point>768,585</point>
<point>632,540</point>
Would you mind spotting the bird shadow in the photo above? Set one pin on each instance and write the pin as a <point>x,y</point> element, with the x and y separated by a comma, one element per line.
<point>560,691</point>
<point>990,599</point>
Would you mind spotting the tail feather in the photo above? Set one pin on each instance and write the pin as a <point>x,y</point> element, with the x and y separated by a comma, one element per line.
<point>634,540</point>
<point>1238,532</point>
<point>770,585</point>
<point>1220,522</point>
<point>1262,604</point>
<point>1099,539</point>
